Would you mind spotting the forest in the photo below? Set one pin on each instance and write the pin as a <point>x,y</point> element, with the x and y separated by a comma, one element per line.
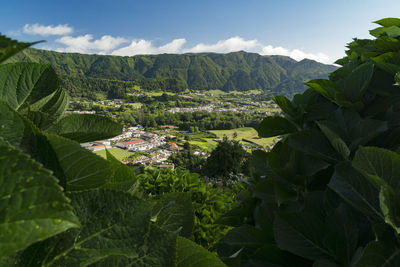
<point>83,75</point>
<point>327,194</point>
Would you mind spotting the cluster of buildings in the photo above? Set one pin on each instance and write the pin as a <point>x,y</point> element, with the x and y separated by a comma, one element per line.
<point>134,139</point>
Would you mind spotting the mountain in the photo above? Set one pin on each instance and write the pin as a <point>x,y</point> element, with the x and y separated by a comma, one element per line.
<point>84,75</point>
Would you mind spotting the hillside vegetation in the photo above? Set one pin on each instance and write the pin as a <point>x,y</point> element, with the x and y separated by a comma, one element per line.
<point>84,75</point>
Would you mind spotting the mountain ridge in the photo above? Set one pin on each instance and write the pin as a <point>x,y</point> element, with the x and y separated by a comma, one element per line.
<point>83,74</point>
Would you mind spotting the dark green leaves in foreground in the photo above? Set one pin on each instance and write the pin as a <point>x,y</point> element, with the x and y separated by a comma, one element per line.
<point>83,169</point>
<point>189,254</point>
<point>116,231</point>
<point>26,83</point>
<point>86,127</point>
<point>32,204</point>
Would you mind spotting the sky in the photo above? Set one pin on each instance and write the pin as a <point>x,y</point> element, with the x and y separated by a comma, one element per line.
<point>312,29</point>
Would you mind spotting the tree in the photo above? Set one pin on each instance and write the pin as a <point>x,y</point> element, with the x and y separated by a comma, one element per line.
<point>227,158</point>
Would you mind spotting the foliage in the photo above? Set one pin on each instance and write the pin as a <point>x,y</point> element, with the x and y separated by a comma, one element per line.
<point>328,192</point>
<point>208,202</point>
<point>83,75</point>
<point>227,158</point>
<point>187,160</point>
<point>62,205</point>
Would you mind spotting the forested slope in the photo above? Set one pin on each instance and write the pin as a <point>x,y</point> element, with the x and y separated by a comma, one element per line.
<point>82,75</point>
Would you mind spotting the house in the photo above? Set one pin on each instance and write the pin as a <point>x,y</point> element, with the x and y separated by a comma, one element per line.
<point>99,147</point>
<point>130,144</point>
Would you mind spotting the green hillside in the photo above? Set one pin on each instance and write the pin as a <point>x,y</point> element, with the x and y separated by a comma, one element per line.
<point>84,75</point>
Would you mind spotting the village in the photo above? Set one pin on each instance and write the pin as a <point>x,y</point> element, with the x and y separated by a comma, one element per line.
<point>146,148</point>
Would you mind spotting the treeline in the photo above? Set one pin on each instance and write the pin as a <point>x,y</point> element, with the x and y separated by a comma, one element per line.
<point>189,121</point>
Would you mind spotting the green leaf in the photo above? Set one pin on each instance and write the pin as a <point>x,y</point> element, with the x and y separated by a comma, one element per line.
<point>9,47</point>
<point>314,143</point>
<point>123,177</point>
<point>337,143</point>
<point>174,211</point>
<point>326,88</point>
<point>389,62</point>
<point>32,204</point>
<point>86,127</point>
<point>189,254</point>
<point>11,125</point>
<point>353,188</point>
<point>380,166</point>
<point>390,206</point>
<point>24,84</point>
<point>393,31</point>
<point>273,126</point>
<point>286,106</point>
<point>82,168</point>
<point>383,252</point>
<point>49,110</point>
<point>357,81</point>
<point>388,22</point>
<point>308,234</point>
<point>116,231</point>
<point>302,234</point>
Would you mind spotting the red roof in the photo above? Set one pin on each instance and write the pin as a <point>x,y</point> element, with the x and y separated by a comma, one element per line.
<point>132,142</point>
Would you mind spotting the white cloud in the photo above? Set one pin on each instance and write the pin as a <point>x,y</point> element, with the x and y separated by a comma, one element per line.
<point>143,47</point>
<point>85,44</point>
<point>296,54</point>
<point>112,45</point>
<point>225,46</point>
<point>37,29</point>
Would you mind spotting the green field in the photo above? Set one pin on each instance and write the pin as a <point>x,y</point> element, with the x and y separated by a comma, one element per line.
<point>244,133</point>
<point>205,144</point>
<point>116,152</point>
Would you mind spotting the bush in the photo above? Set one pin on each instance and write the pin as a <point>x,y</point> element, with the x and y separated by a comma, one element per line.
<point>328,192</point>
<point>209,203</point>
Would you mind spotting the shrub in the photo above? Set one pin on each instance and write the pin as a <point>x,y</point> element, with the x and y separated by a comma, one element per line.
<point>328,192</point>
<point>209,203</point>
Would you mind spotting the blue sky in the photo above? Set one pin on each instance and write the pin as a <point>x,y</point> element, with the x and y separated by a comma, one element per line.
<point>301,29</point>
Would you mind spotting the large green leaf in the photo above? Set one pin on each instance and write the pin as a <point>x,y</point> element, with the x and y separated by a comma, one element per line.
<point>24,84</point>
<point>380,166</point>
<point>286,106</point>
<point>32,204</point>
<point>174,211</point>
<point>49,110</point>
<point>353,187</point>
<point>273,126</point>
<point>301,234</point>
<point>123,177</point>
<point>82,168</point>
<point>346,130</point>
<point>337,143</point>
<point>86,127</point>
<point>9,47</point>
<point>314,143</point>
<point>189,254</point>
<point>382,252</point>
<point>11,125</point>
<point>245,237</point>
<point>389,62</point>
<point>116,231</point>
<point>388,22</point>
<point>357,82</point>
<point>309,235</point>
